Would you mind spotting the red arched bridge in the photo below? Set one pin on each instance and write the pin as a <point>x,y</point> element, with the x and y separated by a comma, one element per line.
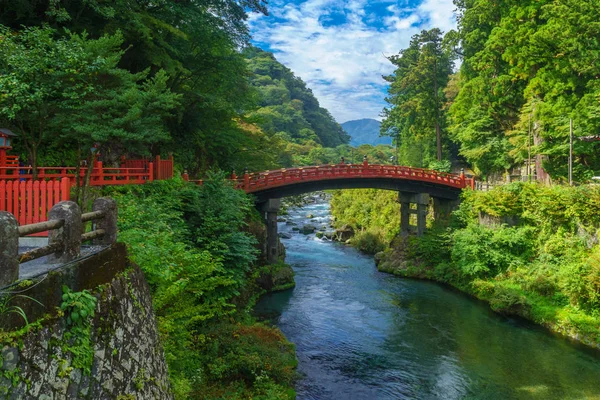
<point>416,186</point>
<point>287,182</point>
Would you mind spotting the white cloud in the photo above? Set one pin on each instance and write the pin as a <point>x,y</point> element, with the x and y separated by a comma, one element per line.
<point>343,64</point>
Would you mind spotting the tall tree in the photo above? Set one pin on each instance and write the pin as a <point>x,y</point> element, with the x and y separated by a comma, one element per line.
<point>416,114</point>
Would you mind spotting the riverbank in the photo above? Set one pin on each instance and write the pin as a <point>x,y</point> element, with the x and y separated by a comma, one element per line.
<point>201,251</point>
<point>363,334</point>
<point>525,249</point>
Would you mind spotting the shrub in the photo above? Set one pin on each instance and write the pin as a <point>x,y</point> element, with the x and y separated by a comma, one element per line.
<point>506,300</point>
<point>368,241</point>
<point>483,252</point>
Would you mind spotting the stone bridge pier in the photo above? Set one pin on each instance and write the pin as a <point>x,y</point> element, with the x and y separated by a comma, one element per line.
<point>410,204</point>
<point>418,204</point>
<point>269,209</point>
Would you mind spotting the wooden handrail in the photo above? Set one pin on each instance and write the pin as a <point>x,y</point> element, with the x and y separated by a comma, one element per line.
<point>259,181</point>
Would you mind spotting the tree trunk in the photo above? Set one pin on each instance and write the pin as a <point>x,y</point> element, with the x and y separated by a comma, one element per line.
<point>86,180</point>
<point>438,133</point>
<point>33,155</point>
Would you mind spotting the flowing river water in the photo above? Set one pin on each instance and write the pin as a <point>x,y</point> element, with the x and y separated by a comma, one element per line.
<point>362,334</point>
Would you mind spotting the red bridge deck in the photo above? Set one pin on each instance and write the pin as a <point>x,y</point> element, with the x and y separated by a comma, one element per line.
<point>256,182</point>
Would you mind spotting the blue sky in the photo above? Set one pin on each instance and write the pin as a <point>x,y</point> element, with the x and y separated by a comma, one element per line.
<point>339,48</point>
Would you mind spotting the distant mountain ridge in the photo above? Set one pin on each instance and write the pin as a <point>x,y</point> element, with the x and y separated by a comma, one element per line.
<point>365,131</point>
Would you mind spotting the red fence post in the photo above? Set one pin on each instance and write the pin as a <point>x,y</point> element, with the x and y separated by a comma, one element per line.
<point>158,172</point>
<point>171,171</point>
<point>100,173</point>
<point>185,176</point>
<point>246,180</point>
<point>65,188</point>
<point>150,172</point>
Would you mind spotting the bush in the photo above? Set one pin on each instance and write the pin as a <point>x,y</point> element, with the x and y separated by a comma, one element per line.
<point>484,252</point>
<point>190,243</point>
<point>368,241</point>
<point>506,300</point>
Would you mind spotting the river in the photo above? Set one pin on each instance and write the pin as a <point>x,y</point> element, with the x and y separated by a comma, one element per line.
<point>363,334</point>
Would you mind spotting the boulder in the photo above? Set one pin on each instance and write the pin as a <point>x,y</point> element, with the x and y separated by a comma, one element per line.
<point>308,229</point>
<point>285,235</point>
<point>344,233</point>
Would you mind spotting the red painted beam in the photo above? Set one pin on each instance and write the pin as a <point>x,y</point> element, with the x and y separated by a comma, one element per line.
<point>275,178</point>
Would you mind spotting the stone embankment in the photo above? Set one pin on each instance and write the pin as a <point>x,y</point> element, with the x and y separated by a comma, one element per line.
<point>119,357</point>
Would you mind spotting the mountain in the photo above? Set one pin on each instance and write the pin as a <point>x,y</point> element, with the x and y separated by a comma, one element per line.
<point>365,131</point>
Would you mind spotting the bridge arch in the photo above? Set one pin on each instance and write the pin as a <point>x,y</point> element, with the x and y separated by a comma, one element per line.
<point>414,185</point>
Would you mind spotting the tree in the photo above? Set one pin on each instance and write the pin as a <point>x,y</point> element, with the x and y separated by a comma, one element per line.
<point>416,114</point>
<point>71,89</point>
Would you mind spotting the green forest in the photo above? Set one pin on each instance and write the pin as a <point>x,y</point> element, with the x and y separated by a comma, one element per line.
<point>144,78</point>
<point>526,69</point>
<point>139,79</point>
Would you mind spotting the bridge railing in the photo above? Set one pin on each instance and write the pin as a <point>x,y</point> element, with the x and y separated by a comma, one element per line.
<point>258,181</point>
<point>66,225</point>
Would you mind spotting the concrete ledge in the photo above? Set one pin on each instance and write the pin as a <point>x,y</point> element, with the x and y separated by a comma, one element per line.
<point>85,273</point>
<point>29,241</point>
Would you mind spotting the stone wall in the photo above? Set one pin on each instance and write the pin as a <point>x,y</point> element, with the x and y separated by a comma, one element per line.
<point>128,360</point>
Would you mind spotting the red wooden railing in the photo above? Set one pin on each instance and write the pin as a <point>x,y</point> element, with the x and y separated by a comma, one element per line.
<point>30,201</point>
<point>256,182</point>
<point>163,169</point>
<point>100,176</point>
<point>269,179</point>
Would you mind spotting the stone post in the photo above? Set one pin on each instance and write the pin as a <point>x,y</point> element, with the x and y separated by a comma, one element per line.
<point>70,234</point>
<point>422,202</point>
<point>404,200</point>
<point>442,209</point>
<point>9,249</point>
<point>109,222</point>
<point>271,208</point>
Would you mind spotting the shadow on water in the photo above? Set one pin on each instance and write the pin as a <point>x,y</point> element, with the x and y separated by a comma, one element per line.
<point>362,334</point>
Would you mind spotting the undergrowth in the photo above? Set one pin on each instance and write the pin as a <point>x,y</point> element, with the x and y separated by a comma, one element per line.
<point>192,244</point>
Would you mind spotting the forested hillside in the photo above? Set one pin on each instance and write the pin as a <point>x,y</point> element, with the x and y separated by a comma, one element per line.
<point>170,74</point>
<point>527,68</point>
<point>288,108</point>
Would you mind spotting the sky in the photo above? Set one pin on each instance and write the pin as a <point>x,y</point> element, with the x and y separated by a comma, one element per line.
<point>339,48</point>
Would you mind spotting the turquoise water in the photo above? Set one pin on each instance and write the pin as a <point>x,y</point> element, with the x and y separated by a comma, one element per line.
<point>362,334</point>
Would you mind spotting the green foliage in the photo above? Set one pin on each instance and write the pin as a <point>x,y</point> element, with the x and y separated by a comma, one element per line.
<point>77,306</point>
<point>485,252</point>
<point>6,308</point>
<point>376,211</point>
<point>191,243</point>
<point>71,87</point>
<point>78,309</point>
<point>369,241</point>
<point>287,105</point>
<point>416,117</point>
<point>258,353</point>
<point>526,70</point>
